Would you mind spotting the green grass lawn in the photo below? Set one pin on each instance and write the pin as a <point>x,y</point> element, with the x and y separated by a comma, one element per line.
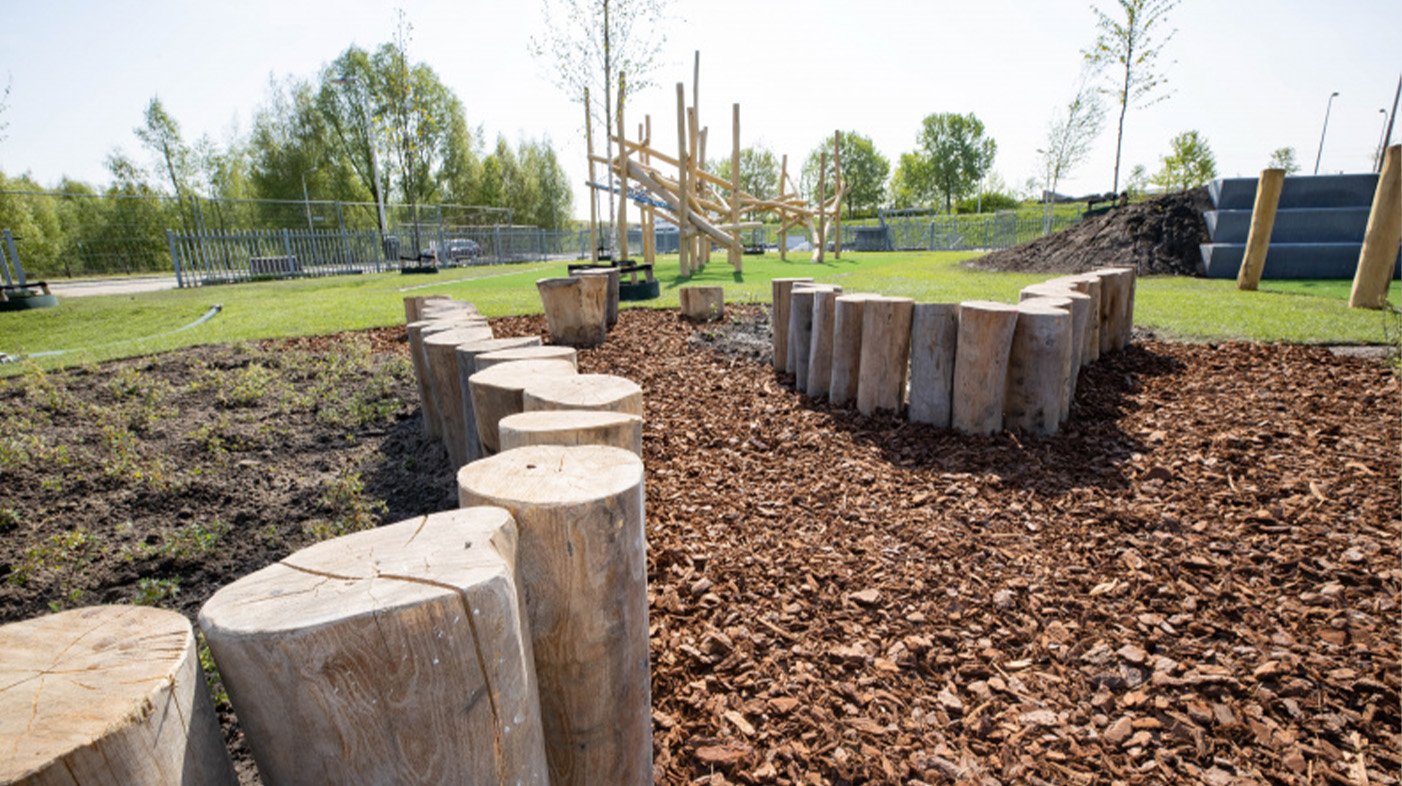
<point>101,328</point>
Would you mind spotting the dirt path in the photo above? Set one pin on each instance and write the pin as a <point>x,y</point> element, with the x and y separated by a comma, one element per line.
<point>1196,582</point>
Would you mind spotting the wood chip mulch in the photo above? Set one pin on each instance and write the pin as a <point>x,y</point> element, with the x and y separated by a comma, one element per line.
<point>1196,582</point>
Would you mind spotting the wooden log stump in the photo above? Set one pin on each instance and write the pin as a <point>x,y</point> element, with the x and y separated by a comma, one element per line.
<point>1079,304</point>
<point>1116,307</point>
<point>107,696</point>
<point>576,309</point>
<point>981,366</point>
<point>394,655</point>
<point>583,567</point>
<point>615,279</point>
<point>597,392</point>
<point>846,348</point>
<point>1067,302</point>
<point>415,332</point>
<point>702,304</point>
<point>496,393</point>
<point>1087,284</point>
<point>781,290</point>
<point>488,359</point>
<point>572,427</point>
<point>885,354</point>
<point>820,344</point>
<point>800,337</point>
<point>440,350</point>
<point>1039,362</point>
<point>934,335</point>
<point>467,366</point>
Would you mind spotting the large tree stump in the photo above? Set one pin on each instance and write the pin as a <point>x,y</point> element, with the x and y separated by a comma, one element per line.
<point>981,366</point>
<point>934,335</point>
<point>820,344</point>
<point>614,276</point>
<point>781,290</point>
<point>702,304</point>
<point>598,392</point>
<point>440,350</point>
<point>572,427</point>
<point>107,696</point>
<point>496,392</point>
<point>1039,363</point>
<point>885,354</point>
<point>582,562</point>
<point>576,309</point>
<point>489,359</point>
<point>467,366</point>
<point>416,332</point>
<point>846,348</point>
<point>394,655</point>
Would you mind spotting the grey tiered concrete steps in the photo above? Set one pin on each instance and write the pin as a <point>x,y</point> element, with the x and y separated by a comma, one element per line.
<point>1318,231</point>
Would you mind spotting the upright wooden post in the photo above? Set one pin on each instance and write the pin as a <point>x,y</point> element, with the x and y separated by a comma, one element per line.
<point>1382,237</point>
<point>837,189</point>
<point>699,166</point>
<point>497,392</point>
<point>589,392</point>
<point>622,177</point>
<point>593,192</point>
<point>440,349</point>
<point>846,348</point>
<point>649,213</point>
<point>572,427</point>
<point>800,332</point>
<point>107,696</point>
<point>467,355</point>
<point>736,251</point>
<point>582,561</point>
<point>1258,241</point>
<point>885,354</point>
<point>822,244</point>
<point>783,223</point>
<point>1039,362</point>
<point>820,345</point>
<point>683,228</point>
<point>781,295</point>
<point>394,655</point>
<point>934,334</point>
<point>981,366</point>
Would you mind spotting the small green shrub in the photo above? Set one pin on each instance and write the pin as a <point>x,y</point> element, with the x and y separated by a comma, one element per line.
<point>156,592</point>
<point>350,511</point>
<point>247,387</point>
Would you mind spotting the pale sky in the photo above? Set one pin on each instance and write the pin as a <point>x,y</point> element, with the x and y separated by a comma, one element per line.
<point>1250,75</point>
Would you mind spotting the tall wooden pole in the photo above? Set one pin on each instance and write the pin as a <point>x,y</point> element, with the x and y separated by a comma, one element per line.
<point>736,253</point>
<point>837,190</point>
<point>783,222</point>
<point>683,239</point>
<point>822,243</point>
<point>1258,241</point>
<point>693,148</point>
<point>1380,240</point>
<point>593,192</point>
<point>699,167</point>
<point>622,178</point>
<point>649,214</point>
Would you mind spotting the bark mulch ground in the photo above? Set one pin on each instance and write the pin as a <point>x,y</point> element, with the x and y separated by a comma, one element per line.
<point>1197,581</point>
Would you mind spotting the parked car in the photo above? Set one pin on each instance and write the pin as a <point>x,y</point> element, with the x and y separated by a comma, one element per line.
<point>463,248</point>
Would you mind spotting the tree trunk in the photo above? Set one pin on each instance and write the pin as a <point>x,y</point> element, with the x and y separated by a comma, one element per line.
<point>440,350</point>
<point>394,655</point>
<point>467,355</point>
<point>572,427</point>
<point>496,393</point>
<point>981,366</point>
<point>846,348</point>
<point>582,561</point>
<point>934,335</point>
<point>593,392</point>
<point>107,696</point>
<point>781,290</point>
<point>1039,362</point>
<point>881,377</point>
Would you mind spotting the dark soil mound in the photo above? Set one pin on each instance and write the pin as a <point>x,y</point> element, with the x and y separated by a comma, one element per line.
<point>1160,236</point>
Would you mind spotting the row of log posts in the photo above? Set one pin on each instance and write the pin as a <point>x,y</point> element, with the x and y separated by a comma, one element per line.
<point>502,642</point>
<point>977,366</point>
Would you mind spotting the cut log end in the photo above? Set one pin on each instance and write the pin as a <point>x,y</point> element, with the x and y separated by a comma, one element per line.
<point>572,427</point>
<point>566,354</point>
<point>584,391</point>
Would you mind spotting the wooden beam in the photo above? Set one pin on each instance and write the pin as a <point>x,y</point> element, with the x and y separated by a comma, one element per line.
<point>692,218</point>
<point>821,245</point>
<point>593,192</point>
<point>783,240</point>
<point>623,183</point>
<point>684,258</point>
<point>837,175</point>
<point>736,254</point>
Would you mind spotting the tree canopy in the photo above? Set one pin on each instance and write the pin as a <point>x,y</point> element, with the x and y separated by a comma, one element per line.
<point>1189,163</point>
<point>951,157</point>
<point>863,168</point>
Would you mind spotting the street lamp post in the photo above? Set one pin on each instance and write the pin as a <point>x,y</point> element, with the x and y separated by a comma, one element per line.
<point>1324,130</point>
<point>1382,142</point>
<point>306,201</point>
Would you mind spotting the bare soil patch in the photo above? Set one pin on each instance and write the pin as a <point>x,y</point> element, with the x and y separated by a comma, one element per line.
<point>1159,237</point>
<point>1197,581</point>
